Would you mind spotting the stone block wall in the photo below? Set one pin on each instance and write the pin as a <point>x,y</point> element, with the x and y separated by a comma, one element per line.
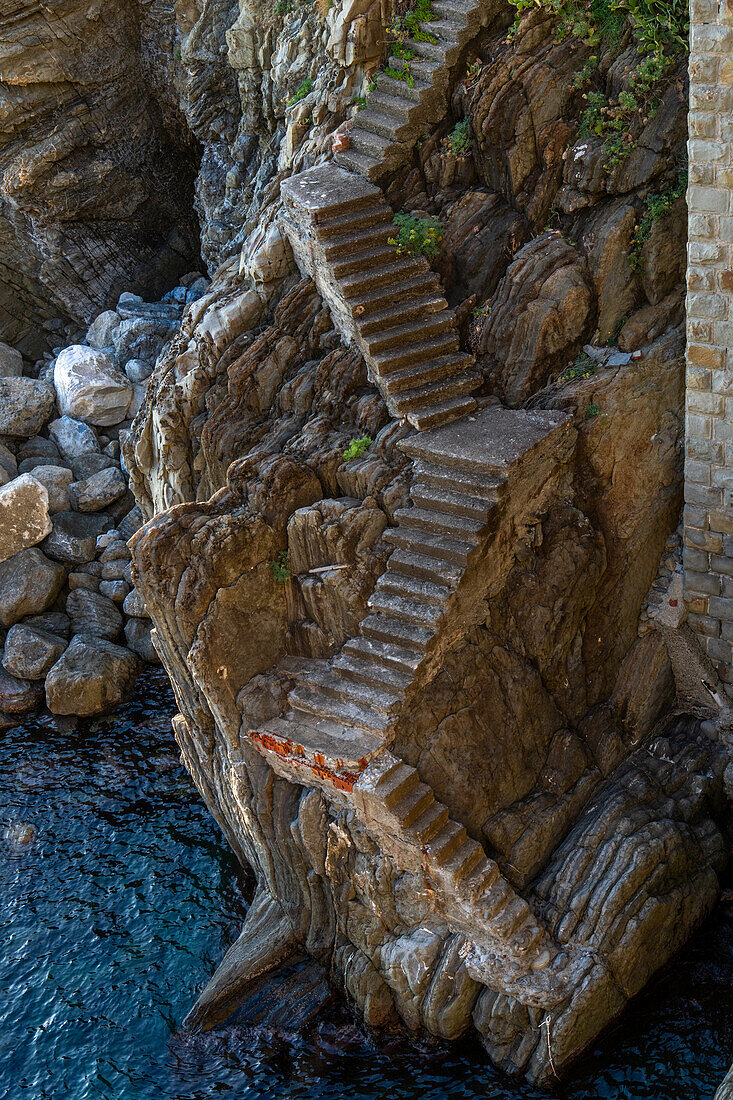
<point>708,548</point>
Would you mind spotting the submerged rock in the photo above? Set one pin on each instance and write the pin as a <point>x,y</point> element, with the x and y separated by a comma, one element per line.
<point>20,836</point>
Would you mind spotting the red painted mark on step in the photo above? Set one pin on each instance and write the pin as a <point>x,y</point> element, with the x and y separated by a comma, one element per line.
<point>272,744</point>
<point>343,781</point>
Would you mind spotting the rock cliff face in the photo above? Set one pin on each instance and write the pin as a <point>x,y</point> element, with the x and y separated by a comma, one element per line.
<point>512,825</point>
<point>96,164</point>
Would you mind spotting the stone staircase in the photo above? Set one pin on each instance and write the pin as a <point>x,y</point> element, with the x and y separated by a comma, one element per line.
<point>399,109</point>
<point>389,304</point>
<point>343,712</point>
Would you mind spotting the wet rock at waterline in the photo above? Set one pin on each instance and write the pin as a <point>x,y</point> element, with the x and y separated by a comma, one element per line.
<point>19,837</point>
<point>91,677</point>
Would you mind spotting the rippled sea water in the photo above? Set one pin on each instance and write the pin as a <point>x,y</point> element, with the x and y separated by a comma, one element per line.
<point>119,911</point>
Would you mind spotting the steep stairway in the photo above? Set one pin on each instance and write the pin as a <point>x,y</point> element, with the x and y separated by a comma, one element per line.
<point>410,94</point>
<point>343,712</point>
<point>389,304</point>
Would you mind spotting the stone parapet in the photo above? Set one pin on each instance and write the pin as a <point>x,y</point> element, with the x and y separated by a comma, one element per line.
<point>708,519</point>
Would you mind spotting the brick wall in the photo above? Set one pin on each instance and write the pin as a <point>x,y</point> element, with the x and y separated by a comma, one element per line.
<point>708,550</point>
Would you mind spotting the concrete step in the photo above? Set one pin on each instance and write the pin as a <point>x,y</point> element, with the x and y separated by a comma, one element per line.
<point>402,267</point>
<point>316,677</point>
<point>393,657</point>
<point>424,567</point>
<point>313,702</point>
<point>464,859</point>
<point>375,213</point>
<point>412,805</point>
<point>405,608</point>
<point>445,843</point>
<point>414,376</point>
<point>364,670</point>
<point>462,11</point>
<point>379,122</point>
<point>335,200</point>
<point>441,523</point>
<point>363,260</point>
<point>318,737</point>
<point>433,416</point>
<point>416,351</point>
<point>386,628</point>
<point>396,106</point>
<point>403,332</point>
<point>480,878</point>
<point>396,784</point>
<point>487,486</point>
<point>374,145</point>
<point>400,89</point>
<point>438,393</point>
<point>430,51</point>
<point>361,163</point>
<point>419,306</point>
<point>444,500</point>
<point>375,300</point>
<point>429,545</point>
<point>447,30</point>
<point>433,819</point>
<point>416,588</point>
<point>353,240</point>
<point>421,68</point>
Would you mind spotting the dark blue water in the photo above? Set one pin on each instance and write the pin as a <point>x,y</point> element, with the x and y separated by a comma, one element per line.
<point>119,911</point>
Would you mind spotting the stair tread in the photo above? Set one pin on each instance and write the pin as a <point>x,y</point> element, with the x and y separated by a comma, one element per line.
<point>400,265</point>
<point>370,116</point>
<point>354,159</point>
<point>382,652</point>
<point>449,500</point>
<point>406,608</point>
<point>363,139</point>
<point>439,392</point>
<point>429,823</point>
<point>432,416</point>
<point>474,482</point>
<point>408,634</point>
<point>460,527</point>
<point>397,782</point>
<point>360,669</point>
<point>339,224</point>
<point>331,740</point>
<point>334,710</point>
<point>378,295</point>
<point>406,560</point>
<point>444,318</point>
<point>365,258</point>
<point>356,238</point>
<point>420,305</point>
<point>415,375</point>
<point>413,538</point>
<point>380,98</point>
<point>405,585</point>
<point>439,345</point>
<point>325,678</point>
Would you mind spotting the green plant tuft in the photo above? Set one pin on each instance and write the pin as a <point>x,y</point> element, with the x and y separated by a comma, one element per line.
<point>583,367</point>
<point>657,206</point>
<point>417,236</point>
<point>357,447</point>
<point>592,411</point>
<point>279,567</point>
<point>458,142</point>
<point>300,92</point>
<point>402,73</point>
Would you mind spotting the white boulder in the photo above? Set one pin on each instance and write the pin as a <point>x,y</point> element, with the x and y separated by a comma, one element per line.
<point>89,386</point>
<point>24,518</point>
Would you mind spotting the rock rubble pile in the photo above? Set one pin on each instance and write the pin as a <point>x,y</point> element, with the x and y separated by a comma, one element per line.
<point>74,632</point>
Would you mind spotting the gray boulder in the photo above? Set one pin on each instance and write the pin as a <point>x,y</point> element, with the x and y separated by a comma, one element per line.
<point>8,461</point>
<point>29,584</point>
<point>92,613</point>
<point>96,492</point>
<point>143,338</point>
<point>38,446</point>
<point>19,696</point>
<point>54,622</point>
<point>73,539</point>
<point>56,481</point>
<point>91,677</point>
<point>86,465</point>
<point>114,590</point>
<point>73,438</point>
<point>138,635</point>
<point>138,370</point>
<point>134,605</point>
<point>25,406</point>
<point>100,333</point>
<point>30,652</point>
<point>11,362</point>
<point>29,465</point>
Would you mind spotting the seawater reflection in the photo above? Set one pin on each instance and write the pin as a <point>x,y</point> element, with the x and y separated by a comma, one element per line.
<point>119,909</point>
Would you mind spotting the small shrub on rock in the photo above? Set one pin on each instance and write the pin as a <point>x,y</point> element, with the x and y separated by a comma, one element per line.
<point>417,236</point>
